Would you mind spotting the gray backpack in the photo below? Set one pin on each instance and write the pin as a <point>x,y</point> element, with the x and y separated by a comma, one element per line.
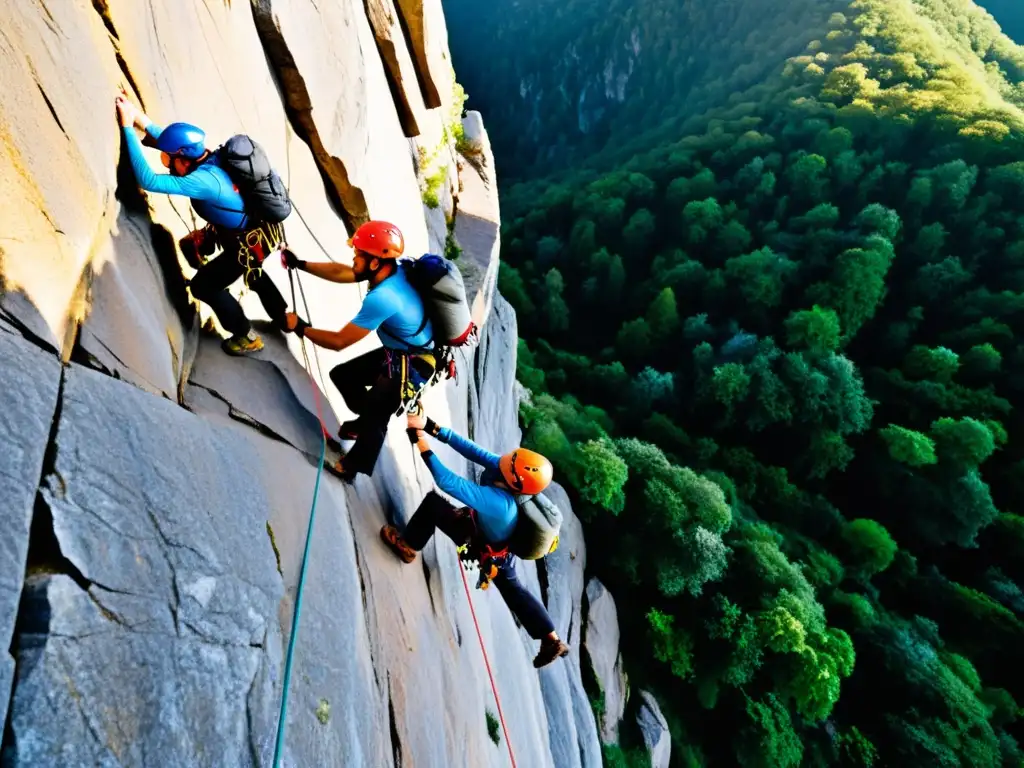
<point>439,283</point>
<point>536,532</point>
<point>262,190</point>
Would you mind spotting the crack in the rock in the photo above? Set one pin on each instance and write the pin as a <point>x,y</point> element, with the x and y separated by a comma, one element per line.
<point>348,199</point>
<point>244,418</point>
<point>102,8</point>
<point>53,111</point>
<point>542,579</point>
<point>25,332</point>
<point>380,24</point>
<point>362,590</point>
<point>251,717</point>
<point>396,741</point>
<point>421,63</point>
<point>426,576</point>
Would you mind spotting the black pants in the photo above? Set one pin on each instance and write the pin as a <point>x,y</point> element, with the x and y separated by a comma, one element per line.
<point>211,282</point>
<point>458,525</point>
<point>374,396</point>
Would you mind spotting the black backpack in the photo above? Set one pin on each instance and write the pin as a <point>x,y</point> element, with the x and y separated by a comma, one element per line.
<point>261,188</point>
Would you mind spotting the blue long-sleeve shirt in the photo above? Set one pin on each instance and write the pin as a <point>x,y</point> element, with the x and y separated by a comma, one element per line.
<point>214,196</point>
<point>496,508</point>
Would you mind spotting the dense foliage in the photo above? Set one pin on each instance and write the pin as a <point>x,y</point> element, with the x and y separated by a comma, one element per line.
<point>567,84</point>
<point>776,360</point>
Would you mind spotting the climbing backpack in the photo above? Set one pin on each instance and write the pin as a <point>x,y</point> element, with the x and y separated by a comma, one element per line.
<point>262,190</point>
<point>439,283</point>
<point>536,531</point>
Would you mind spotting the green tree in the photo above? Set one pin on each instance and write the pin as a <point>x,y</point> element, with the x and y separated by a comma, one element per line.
<point>871,548</point>
<point>556,311</point>
<point>909,447</point>
<point>760,276</point>
<point>966,442</point>
<point>663,317</point>
<point>815,329</point>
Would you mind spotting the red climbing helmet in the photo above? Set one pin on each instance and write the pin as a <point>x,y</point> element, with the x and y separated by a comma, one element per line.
<point>526,471</point>
<point>380,239</point>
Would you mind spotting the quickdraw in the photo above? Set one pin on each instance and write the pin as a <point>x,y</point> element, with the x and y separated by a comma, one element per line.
<point>485,559</point>
<point>255,245</point>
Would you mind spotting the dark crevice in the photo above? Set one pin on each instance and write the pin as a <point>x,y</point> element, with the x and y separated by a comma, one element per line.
<point>277,552</point>
<point>396,742</point>
<point>53,112</point>
<point>244,418</point>
<point>44,557</point>
<point>392,70</point>
<point>542,578</point>
<point>362,591</point>
<point>348,200</point>
<point>26,332</point>
<point>426,576</point>
<point>44,553</point>
<point>174,281</point>
<point>104,11</point>
<point>431,98</point>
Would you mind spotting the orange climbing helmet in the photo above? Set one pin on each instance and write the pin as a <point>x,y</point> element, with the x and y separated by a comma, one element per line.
<point>526,471</point>
<point>378,238</point>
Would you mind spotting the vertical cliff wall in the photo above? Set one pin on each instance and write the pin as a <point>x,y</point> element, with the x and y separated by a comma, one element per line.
<point>156,493</point>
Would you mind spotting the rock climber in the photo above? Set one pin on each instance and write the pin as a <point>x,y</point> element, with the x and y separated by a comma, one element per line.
<point>194,171</point>
<point>376,384</point>
<point>485,525</point>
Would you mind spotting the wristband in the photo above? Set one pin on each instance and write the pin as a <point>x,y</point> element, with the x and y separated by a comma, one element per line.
<point>300,328</point>
<point>433,428</point>
<point>414,435</point>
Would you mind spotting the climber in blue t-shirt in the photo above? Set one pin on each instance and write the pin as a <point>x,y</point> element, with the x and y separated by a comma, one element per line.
<point>196,173</point>
<point>394,309</point>
<point>485,525</point>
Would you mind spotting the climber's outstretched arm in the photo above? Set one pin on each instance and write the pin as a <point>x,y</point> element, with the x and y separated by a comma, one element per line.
<point>463,446</point>
<point>325,270</point>
<point>335,340</point>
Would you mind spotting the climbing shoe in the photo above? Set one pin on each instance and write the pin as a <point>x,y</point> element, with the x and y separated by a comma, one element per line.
<point>338,469</point>
<point>242,345</point>
<point>390,536</point>
<point>549,651</point>
<point>349,430</point>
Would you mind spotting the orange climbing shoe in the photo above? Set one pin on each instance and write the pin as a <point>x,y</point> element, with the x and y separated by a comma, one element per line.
<point>338,469</point>
<point>549,651</point>
<point>242,345</point>
<point>390,536</point>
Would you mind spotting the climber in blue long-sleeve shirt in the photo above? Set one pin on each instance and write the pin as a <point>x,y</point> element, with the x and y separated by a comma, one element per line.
<point>485,524</point>
<point>196,174</point>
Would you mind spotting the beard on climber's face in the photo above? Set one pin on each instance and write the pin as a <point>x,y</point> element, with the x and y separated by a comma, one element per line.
<point>364,265</point>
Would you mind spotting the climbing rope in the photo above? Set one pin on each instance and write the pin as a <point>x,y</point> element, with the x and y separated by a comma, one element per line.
<point>487,663</point>
<point>286,683</point>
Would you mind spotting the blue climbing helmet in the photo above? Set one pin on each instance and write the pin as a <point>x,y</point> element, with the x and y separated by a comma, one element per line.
<point>183,140</point>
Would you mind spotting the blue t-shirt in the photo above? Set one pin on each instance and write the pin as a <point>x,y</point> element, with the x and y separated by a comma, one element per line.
<point>395,311</point>
<point>214,196</point>
<point>496,508</point>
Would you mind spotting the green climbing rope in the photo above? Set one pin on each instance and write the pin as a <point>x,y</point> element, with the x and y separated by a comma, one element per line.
<point>286,683</point>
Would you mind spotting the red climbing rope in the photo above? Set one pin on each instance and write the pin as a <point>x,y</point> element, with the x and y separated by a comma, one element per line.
<point>487,663</point>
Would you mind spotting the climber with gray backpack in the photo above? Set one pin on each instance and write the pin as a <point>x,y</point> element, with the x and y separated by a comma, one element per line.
<point>507,516</point>
<point>244,202</point>
<point>418,309</point>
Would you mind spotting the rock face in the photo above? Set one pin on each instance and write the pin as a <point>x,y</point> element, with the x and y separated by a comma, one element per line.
<point>655,731</point>
<point>157,493</point>
<point>602,646</point>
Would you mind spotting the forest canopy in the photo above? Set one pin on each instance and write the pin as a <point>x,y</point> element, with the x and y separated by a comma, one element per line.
<point>770,319</point>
